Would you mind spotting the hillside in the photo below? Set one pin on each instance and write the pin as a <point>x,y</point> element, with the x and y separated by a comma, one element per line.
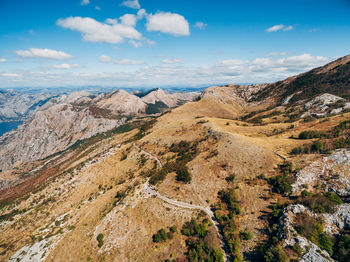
<point>332,78</point>
<point>230,177</point>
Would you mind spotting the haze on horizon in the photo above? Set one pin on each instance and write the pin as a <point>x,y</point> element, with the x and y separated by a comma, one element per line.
<point>149,43</point>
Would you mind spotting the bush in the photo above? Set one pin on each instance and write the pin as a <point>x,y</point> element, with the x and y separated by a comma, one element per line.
<point>281,184</point>
<point>342,248</point>
<point>321,203</point>
<point>231,199</point>
<point>183,175</point>
<point>192,228</point>
<point>100,240</point>
<point>276,254</point>
<point>309,134</point>
<point>246,234</point>
<point>334,197</point>
<point>198,249</point>
<point>312,229</point>
<point>160,236</point>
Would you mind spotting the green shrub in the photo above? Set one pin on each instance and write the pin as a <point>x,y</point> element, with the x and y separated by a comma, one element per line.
<point>198,249</point>
<point>276,254</point>
<point>246,234</point>
<point>183,175</point>
<point>334,197</point>
<point>192,228</point>
<point>342,248</point>
<point>99,239</point>
<point>281,184</point>
<point>160,236</point>
<point>312,229</point>
<point>321,203</point>
<point>309,134</point>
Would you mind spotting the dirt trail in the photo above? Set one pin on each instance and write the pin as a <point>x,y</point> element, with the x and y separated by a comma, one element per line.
<point>150,191</point>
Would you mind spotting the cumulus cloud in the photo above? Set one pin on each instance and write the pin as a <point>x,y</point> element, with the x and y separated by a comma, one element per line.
<point>134,4</point>
<point>172,61</point>
<point>111,21</point>
<point>200,25</point>
<point>105,59</point>
<point>3,60</point>
<point>169,23</point>
<point>276,28</point>
<point>42,53</point>
<point>128,62</point>
<point>128,20</point>
<point>94,31</point>
<point>85,2</point>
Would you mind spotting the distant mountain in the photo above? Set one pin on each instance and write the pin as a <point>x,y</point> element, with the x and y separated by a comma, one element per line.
<point>15,106</point>
<point>63,120</point>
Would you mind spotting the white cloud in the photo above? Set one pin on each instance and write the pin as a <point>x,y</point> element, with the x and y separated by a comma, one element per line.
<point>3,60</point>
<point>42,53</point>
<point>94,31</point>
<point>111,21</point>
<point>200,25</point>
<point>10,75</point>
<point>62,66</point>
<point>98,8</point>
<point>259,70</point>
<point>288,28</point>
<point>276,28</point>
<point>85,2</point>
<point>172,61</point>
<point>128,62</point>
<point>134,4</point>
<point>141,13</point>
<point>105,59</point>
<point>169,23</point>
<point>128,20</point>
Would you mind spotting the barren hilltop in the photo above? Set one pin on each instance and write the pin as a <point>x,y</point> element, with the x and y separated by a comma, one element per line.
<point>239,173</point>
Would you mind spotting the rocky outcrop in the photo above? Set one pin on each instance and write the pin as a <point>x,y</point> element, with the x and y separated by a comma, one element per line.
<point>290,237</point>
<point>332,172</point>
<point>339,220</point>
<point>320,105</point>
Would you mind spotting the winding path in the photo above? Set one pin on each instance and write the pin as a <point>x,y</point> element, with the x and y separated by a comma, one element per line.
<point>150,191</point>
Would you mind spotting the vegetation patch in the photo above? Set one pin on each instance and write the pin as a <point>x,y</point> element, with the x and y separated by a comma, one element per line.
<point>155,108</point>
<point>320,203</point>
<point>282,184</point>
<point>225,213</point>
<point>198,246</point>
<point>312,229</point>
<point>185,152</point>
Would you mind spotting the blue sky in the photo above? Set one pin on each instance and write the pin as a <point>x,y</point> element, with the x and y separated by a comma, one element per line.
<point>149,43</point>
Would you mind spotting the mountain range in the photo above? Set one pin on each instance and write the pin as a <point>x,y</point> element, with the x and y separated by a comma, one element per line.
<point>236,173</point>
